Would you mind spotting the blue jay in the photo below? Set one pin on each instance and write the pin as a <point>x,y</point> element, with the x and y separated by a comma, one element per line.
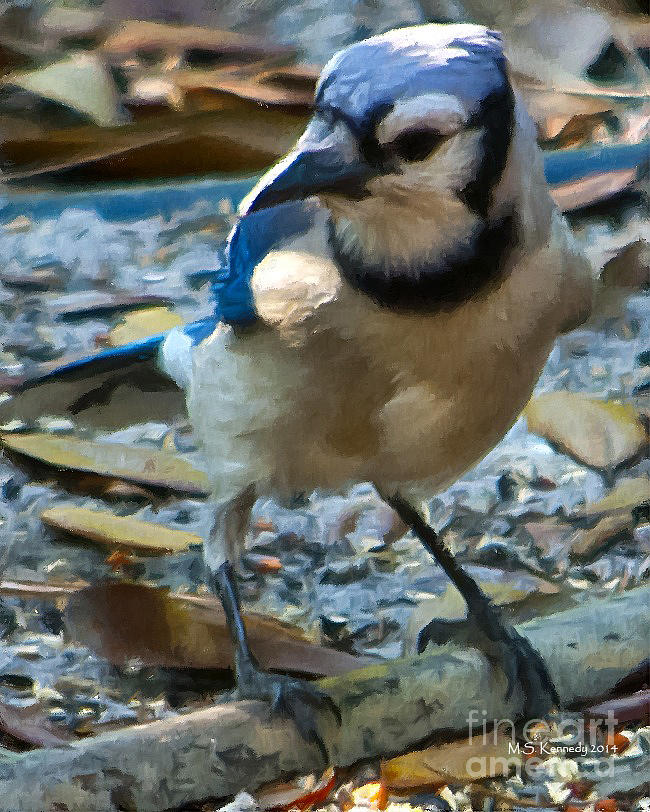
<point>395,286</point>
<point>387,317</point>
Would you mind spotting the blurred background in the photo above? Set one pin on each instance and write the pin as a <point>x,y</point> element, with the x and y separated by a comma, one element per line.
<point>141,89</point>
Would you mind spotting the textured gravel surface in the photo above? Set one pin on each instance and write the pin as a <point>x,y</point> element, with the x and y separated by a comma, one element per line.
<point>345,572</point>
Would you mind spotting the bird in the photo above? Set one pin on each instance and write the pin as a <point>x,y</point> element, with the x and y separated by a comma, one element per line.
<point>388,316</point>
<point>394,287</point>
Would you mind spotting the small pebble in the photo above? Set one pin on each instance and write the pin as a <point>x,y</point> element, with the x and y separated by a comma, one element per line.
<point>340,573</point>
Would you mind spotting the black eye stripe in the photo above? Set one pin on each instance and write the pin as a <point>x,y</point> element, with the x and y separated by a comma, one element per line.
<point>415,145</point>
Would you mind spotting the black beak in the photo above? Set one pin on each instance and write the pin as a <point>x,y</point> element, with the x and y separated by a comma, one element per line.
<point>311,169</point>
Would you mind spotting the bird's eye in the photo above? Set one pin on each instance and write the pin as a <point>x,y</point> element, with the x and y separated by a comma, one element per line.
<point>416,145</point>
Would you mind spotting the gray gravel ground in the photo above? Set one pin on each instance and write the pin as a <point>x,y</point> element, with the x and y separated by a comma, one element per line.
<point>343,574</point>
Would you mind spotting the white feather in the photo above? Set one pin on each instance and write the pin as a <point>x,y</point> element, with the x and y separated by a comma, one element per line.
<point>175,357</point>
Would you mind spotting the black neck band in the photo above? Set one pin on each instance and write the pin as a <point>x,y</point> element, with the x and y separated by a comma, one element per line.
<point>441,285</point>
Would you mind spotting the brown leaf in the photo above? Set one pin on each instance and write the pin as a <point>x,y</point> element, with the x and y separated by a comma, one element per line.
<point>38,280</point>
<point>633,708</point>
<point>119,560</point>
<point>142,324</point>
<point>46,155</point>
<point>42,590</point>
<point>592,189</point>
<point>137,37</point>
<point>131,622</point>
<point>457,762</point>
<point>157,469</point>
<point>108,530</point>
<point>579,130</point>
<point>29,726</point>
<point>600,434</point>
<point>508,590</point>
<point>550,537</point>
<point>206,88</point>
<point>552,110</point>
<point>301,793</point>
<point>627,495</point>
<point>587,544</point>
<point>629,268</point>
<point>637,679</point>
<point>241,136</point>
<point>121,491</point>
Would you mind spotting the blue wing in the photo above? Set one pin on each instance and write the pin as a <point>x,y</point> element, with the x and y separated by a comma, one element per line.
<point>85,387</point>
<point>251,239</point>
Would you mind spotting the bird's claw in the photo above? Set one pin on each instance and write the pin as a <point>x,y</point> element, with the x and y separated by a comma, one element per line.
<point>439,632</point>
<point>502,644</point>
<point>298,700</point>
<point>524,665</point>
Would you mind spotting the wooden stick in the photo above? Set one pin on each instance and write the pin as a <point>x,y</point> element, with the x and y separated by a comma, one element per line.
<point>386,709</point>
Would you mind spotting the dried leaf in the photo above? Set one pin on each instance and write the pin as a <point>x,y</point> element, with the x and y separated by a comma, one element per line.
<point>263,563</point>
<point>42,590</point>
<point>597,433</point>
<point>373,795</point>
<point>637,679</point>
<point>131,622</point>
<point>258,89</point>
<point>96,304</point>
<point>587,544</point>
<point>142,324</point>
<point>579,130</point>
<point>137,37</point>
<point>29,726</point>
<point>243,136</point>
<point>158,469</point>
<point>552,110</point>
<point>630,268</point>
<point>119,560</point>
<point>592,189</point>
<point>507,589</point>
<point>301,793</point>
<point>73,148</point>
<point>606,805</point>
<point>38,280</point>
<point>457,762</point>
<point>627,495</point>
<point>121,491</point>
<point>633,708</point>
<point>80,82</point>
<point>119,531</point>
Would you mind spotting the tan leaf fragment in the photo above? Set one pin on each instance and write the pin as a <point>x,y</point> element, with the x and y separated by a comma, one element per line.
<point>597,433</point>
<point>456,762</point>
<point>106,529</point>
<point>145,466</point>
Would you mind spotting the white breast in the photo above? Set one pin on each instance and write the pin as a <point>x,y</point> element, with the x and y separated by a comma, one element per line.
<point>334,389</point>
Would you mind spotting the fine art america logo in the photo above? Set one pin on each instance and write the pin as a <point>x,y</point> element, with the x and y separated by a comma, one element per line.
<point>538,740</point>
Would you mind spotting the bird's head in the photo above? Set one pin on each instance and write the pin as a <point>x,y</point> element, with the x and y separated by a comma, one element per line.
<point>407,146</point>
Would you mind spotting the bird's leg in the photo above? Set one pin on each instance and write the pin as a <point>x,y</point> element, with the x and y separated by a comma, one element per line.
<point>520,661</point>
<point>291,698</point>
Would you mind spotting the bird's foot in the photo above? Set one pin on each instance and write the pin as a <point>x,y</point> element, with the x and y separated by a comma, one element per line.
<point>502,644</point>
<point>524,665</point>
<point>298,700</point>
